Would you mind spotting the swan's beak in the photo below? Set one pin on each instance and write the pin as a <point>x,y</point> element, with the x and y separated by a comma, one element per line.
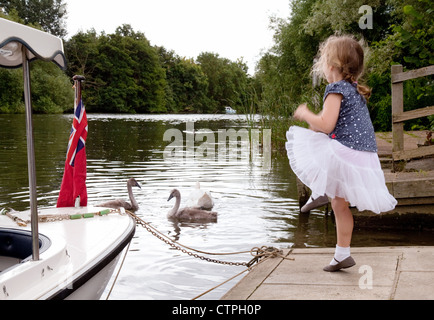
<point>170,197</point>
<point>138,185</point>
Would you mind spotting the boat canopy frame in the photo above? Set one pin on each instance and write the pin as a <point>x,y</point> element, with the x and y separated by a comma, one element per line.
<point>19,45</point>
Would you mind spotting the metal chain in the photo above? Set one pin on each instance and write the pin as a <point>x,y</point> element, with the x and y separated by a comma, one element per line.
<point>256,252</point>
<point>260,255</point>
<point>183,249</point>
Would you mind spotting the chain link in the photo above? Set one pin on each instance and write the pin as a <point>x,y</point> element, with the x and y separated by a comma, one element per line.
<point>256,252</point>
<point>182,248</point>
<point>260,254</point>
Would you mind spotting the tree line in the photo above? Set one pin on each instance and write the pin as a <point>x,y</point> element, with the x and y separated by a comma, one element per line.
<point>125,73</point>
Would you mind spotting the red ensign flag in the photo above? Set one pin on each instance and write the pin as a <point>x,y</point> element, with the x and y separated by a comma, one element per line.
<point>74,176</point>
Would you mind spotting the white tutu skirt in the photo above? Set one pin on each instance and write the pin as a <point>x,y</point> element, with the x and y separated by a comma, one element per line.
<point>328,167</point>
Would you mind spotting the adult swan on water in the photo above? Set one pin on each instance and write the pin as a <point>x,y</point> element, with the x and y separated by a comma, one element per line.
<point>187,213</point>
<point>119,203</point>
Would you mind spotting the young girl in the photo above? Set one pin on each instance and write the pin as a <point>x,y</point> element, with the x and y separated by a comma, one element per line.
<point>337,158</point>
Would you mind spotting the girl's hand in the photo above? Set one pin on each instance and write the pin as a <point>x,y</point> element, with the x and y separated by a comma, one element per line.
<point>301,111</point>
<point>326,120</point>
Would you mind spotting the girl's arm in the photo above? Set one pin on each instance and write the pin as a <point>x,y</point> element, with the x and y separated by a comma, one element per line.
<point>326,120</point>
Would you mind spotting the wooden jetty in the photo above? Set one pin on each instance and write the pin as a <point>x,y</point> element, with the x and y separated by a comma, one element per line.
<point>411,178</point>
<point>388,273</point>
<point>381,273</point>
<point>413,186</point>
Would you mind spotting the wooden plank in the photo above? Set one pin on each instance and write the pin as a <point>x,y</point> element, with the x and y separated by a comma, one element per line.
<point>407,176</point>
<point>414,153</point>
<point>413,114</point>
<point>413,189</point>
<point>416,201</point>
<point>397,108</point>
<point>408,75</point>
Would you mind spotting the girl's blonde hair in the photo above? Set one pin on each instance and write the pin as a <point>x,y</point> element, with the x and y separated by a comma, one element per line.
<point>347,55</point>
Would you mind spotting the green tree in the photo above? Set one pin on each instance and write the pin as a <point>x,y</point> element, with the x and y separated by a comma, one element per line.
<point>123,72</point>
<point>48,14</point>
<point>51,88</point>
<point>227,80</point>
<point>11,91</point>
<point>409,42</point>
<point>52,91</point>
<point>81,49</point>
<point>287,66</point>
<point>187,85</point>
<point>284,71</point>
<point>82,54</point>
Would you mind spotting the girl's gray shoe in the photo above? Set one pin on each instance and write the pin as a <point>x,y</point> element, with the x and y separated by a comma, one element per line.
<point>346,263</point>
<point>314,203</point>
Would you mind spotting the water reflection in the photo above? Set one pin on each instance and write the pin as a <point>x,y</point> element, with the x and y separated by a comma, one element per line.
<point>256,207</point>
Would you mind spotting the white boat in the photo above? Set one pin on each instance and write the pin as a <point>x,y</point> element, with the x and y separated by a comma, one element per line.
<point>77,257</point>
<point>229,110</point>
<point>54,253</point>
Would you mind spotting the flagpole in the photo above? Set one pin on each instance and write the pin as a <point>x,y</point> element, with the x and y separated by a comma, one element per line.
<point>77,85</point>
<point>74,177</point>
<point>31,157</point>
<point>79,79</point>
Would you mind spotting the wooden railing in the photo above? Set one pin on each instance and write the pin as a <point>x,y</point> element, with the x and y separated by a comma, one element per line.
<point>399,116</point>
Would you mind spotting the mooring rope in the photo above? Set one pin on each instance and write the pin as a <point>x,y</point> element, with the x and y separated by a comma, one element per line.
<point>264,252</point>
<point>56,217</point>
<point>260,254</point>
<point>119,271</point>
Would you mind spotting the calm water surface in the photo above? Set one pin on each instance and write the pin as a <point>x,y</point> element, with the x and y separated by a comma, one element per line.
<point>257,205</point>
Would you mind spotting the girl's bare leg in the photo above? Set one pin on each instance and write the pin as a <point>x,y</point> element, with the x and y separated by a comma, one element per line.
<point>344,222</point>
<point>344,230</point>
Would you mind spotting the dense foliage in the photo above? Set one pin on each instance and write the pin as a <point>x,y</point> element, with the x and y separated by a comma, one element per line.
<point>49,15</point>
<point>51,89</point>
<point>122,70</point>
<point>125,73</point>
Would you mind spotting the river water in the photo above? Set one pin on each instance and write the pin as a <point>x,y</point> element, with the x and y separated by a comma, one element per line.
<point>255,197</point>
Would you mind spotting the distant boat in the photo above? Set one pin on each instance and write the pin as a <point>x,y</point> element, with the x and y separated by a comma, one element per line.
<point>229,110</point>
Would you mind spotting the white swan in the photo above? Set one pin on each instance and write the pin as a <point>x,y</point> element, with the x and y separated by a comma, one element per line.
<point>188,214</point>
<point>200,199</point>
<point>118,203</point>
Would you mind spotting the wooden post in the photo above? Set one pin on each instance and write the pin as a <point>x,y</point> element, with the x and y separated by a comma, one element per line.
<point>303,193</point>
<point>397,108</point>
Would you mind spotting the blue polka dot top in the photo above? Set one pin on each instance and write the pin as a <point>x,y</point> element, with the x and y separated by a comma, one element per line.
<point>354,128</point>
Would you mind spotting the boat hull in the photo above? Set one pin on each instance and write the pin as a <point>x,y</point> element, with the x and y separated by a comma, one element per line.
<point>79,261</point>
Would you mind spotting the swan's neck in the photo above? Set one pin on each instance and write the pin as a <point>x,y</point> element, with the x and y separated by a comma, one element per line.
<point>134,203</point>
<point>175,209</point>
